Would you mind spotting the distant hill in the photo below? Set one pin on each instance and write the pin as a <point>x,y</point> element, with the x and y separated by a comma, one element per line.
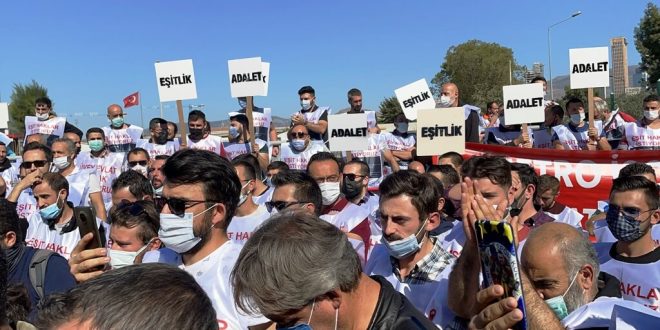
<point>634,78</point>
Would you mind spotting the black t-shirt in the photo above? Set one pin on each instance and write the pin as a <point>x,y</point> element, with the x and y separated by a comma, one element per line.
<point>394,311</point>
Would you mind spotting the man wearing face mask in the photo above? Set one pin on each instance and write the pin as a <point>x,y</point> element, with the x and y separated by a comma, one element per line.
<point>108,165</point>
<point>37,160</point>
<point>273,169</point>
<point>84,185</point>
<point>249,215</point>
<point>350,218</point>
<point>262,119</point>
<point>644,134</point>
<point>299,150</point>
<point>313,117</point>
<point>239,141</point>
<point>523,188</point>
<point>156,174</point>
<point>138,161</point>
<point>120,136</point>
<point>202,191</point>
<point>400,143</point>
<point>158,143</point>
<point>412,260</point>
<point>198,138</point>
<point>576,135</point>
<point>355,184</point>
<point>554,116</point>
<point>449,98</point>
<point>44,113</point>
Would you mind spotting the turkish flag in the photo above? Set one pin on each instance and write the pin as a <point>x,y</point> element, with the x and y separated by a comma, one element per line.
<point>131,100</point>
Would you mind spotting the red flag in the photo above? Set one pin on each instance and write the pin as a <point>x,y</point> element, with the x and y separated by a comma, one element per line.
<point>131,100</point>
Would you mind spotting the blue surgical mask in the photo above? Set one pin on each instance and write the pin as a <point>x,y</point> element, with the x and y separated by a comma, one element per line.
<point>558,305</point>
<point>577,118</point>
<point>51,211</point>
<point>624,227</point>
<point>233,132</point>
<point>401,127</point>
<point>96,145</point>
<point>117,122</point>
<point>298,144</point>
<point>242,103</point>
<point>405,247</point>
<point>269,181</point>
<point>177,232</point>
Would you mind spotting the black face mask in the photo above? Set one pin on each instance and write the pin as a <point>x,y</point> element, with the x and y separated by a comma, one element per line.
<point>161,138</point>
<point>517,205</point>
<point>351,189</point>
<point>196,133</point>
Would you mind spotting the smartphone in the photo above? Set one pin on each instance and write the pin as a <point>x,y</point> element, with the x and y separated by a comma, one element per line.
<point>499,261</point>
<point>86,222</point>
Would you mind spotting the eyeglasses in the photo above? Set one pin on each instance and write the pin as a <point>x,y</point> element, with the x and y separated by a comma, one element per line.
<point>36,163</point>
<point>352,177</point>
<point>627,210</point>
<point>178,206</point>
<point>299,135</point>
<point>133,208</point>
<point>141,162</point>
<point>332,178</point>
<point>280,205</point>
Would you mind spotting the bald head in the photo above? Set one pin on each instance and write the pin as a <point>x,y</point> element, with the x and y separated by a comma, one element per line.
<point>551,235</point>
<point>450,90</point>
<point>114,109</point>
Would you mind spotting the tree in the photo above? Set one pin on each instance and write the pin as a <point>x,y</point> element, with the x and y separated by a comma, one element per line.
<point>389,109</point>
<point>479,69</point>
<point>632,104</point>
<point>22,104</point>
<point>578,93</point>
<point>647,41</point>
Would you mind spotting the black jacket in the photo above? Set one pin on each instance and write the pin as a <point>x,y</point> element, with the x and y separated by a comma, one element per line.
<point>394,311</point>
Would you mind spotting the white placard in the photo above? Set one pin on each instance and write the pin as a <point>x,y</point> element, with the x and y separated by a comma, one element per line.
<point>440,131</point>
<point>523,104</point>
<point>53,126</point>
<point>4,115</point>
<point>348,132</point>
<point>176,80</point>
<point>590,67</point>
<point>248,77</point>
<point>413,97</point>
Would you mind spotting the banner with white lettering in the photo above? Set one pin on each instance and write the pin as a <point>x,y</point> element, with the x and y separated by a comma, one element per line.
<point>523,104</point>
<point>440,131</point>
<point>4,115</point>
<point>585,177</point>
<point>53,126</point>
<point>413,97</point>
<point>590,67</point>
<point>176,80</point>
<point>348,131</point>
<point>248,77</point>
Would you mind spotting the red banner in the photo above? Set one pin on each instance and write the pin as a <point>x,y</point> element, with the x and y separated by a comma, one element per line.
<point>585,176</point>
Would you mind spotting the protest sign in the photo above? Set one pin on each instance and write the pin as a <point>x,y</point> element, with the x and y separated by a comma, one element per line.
<point>53,126</point>
<point>348,132</point>
<point>523,104</point>
<point>589,67</point>
<point>440,131</point>
<point>413,97</point>
<point>4,115</point>
<point>176,80</point>
<point>248,77</point>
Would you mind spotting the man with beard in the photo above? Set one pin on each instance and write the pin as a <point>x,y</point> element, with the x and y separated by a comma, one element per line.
<point>198,138</point>
<point>158,143</point>
<point>546,197</point>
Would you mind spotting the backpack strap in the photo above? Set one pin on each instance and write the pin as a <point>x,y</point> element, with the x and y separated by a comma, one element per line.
<point>38,270</point>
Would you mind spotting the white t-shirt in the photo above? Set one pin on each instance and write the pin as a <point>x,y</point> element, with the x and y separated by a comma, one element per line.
<point>212,274</point>
<point>373,156</point>
<point>568,216</point>
<point>453,240</point>
<point>82,183</point>
<point>265,197</point>
<point>575,138</point>
<point>154,149</point>
<point>607,312</point>
<point>398,143</point>
<point>107,168</point>
<point>241,228</point>
<point>26,205</point>
<point>233,150</point>
<point>40,236</point>
<point>211,143</point>
<point>638,137</point>
<point>298,160</point>
<point>122,140</point>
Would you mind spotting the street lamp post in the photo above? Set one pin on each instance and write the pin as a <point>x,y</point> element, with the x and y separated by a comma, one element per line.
<point>577,13</point>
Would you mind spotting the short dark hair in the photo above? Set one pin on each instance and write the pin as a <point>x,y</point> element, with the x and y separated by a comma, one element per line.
<point>488,105</point>
<point>9,220</point>
<point>136,151</point>
<point>354,92</point>
<point>216,175</point>
<point>421,189</point>
<point>44,100</point>
<point>196,115</point>
<point>137,184</point>
<point>249,169</point>
<point>574,100</point>
<point>651,98</point>
<point>547,182</point>
<point>449,174</point>
<point>306,89</point>
<point>147,220</point>
<point>321,156</point>
<point>557,110</point>
<point>176,128</point>
<point>527,176</point>
<point>38,146</point>
<point>364,167</point>
<point>102,301</point>
<point>454,157</point>
<point>253,161</point>
<point>307,190</point>
<point>636,168</point>
<point>56,182</point>
<point>95,130</point>
<point>73,129</point>
<point>154,122</point>
<point>278,165</point>
<point>496,169</point>
<point>538,78</point>
<point>161,157</point>
<point>242,119</point>
<point>628,183</point>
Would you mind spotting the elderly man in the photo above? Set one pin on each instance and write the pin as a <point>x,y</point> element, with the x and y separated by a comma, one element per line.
<point>299,150</point>
<point>340,296</point>
<point>449,98</point>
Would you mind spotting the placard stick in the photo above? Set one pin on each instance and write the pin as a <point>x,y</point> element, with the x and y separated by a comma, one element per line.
<point>182,124</point>
<point>248,112</point>
<point>590,97</point>
<point>524,130</point>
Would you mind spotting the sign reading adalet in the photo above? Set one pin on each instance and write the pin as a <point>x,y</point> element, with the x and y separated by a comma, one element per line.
<point>248,77</point>
<point>590,67</point>
<point>523,104</point>
<point>348,132</point>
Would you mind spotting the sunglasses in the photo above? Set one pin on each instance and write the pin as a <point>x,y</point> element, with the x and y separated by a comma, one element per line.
<point>352,177</point>
<point>178,206</point>
<point>134,209</point>
<point>627,210</point>
<point>141,162</point>
<point>298,135</point>
<point>36,163</point>
<point>280,205</point>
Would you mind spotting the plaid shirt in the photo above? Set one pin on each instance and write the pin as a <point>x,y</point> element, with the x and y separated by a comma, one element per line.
<point>428,268</point>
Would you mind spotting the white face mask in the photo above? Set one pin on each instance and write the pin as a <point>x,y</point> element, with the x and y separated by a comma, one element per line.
<point>42,116</point>
<point>651,114</point>
<point>243,197</point>
<point>577,118</point>
<point>119,259</point>
<point>329,192</point>
<point>140,169</point>
<point>177,232</point>
<point>61,162</point>
<point>306,104</point>
<point>445,101</point>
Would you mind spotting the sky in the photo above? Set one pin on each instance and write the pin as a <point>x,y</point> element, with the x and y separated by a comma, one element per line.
<point>90,54</point>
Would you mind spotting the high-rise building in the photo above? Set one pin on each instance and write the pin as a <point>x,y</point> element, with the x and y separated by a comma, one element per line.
<point>536,71</point>
<point>619,66</point>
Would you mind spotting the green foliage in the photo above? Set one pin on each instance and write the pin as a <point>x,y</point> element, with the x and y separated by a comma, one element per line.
<point>479,69</point>
<point>647,41</point>
<point>22,104</point>
<point>631,104</point>
<point>389,109</point>
<point>579,93</point>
